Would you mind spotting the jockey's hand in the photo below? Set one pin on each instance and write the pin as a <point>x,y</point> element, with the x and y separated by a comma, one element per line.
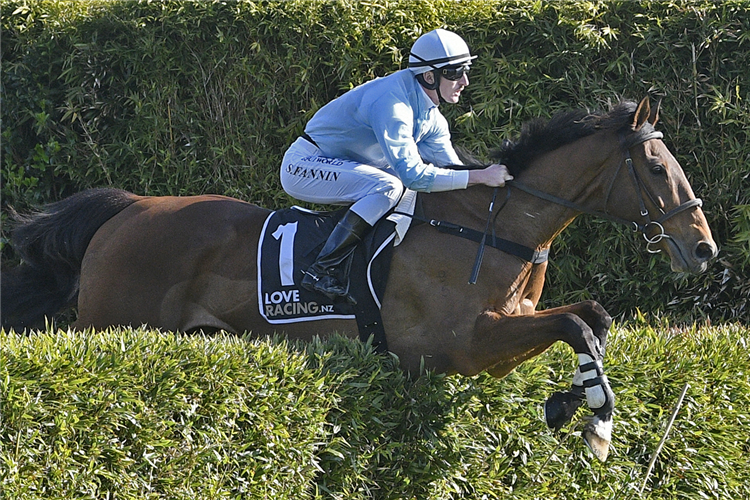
<point>493,176</point>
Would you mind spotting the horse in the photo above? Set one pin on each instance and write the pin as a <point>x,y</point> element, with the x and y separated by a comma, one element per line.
<point>189,263</point>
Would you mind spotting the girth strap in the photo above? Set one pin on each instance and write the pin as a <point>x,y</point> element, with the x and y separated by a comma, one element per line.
<point>509,247</point>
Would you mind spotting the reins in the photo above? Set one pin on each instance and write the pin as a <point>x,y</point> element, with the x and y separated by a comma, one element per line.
<point>480,250</point>
<point>645,133</point>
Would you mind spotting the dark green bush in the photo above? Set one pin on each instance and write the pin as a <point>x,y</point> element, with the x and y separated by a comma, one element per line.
<point>194,97</point>
<point>148,416</point>
<point>143,414</point>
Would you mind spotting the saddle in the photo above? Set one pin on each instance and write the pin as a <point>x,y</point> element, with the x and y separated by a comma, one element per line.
<point>289,243</point>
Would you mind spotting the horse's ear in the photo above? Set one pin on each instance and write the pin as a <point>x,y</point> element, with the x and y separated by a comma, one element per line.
<point>654,116</point>
<point>642,113</point>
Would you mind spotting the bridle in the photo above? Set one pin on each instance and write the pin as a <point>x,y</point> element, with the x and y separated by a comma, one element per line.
<point>643,134</point>
<point>538,256</point>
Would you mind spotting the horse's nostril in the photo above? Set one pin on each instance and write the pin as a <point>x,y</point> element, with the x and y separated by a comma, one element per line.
<point>705,251</point>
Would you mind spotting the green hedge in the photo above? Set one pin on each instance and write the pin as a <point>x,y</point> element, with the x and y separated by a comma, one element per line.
<point>146,415</point>
<point>194,97</point>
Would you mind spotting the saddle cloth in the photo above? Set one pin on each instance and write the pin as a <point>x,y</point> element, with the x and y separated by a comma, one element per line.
<point>291,240</point>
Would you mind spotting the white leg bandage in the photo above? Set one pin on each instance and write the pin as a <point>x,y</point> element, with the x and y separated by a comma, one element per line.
<point>590,376</point>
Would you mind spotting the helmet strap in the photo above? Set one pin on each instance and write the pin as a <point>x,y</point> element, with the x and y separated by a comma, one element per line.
<point>429,86</point>
<point>435,72</point>
<point>432,86</point>
<point>440,96</point>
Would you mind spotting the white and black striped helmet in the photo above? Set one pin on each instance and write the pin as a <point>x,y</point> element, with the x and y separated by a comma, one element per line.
<point>437,49</point>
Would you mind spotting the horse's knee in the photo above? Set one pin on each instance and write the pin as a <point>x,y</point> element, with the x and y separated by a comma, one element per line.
<point>599,320</point>
<point>595,315</point>
<point>577,333</point>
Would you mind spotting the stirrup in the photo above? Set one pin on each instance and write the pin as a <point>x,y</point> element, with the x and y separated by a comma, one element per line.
<point>314,283</point>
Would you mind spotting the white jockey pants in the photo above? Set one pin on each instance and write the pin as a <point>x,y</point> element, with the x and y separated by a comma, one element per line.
<point>308,176</point>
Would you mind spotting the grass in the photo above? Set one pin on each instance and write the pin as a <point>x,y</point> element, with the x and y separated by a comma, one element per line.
<point>145,414</point>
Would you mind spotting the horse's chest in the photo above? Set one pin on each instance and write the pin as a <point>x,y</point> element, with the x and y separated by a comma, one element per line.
<point>522,294</point>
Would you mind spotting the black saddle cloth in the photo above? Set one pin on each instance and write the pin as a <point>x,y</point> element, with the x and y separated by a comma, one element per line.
<point>290,241</point>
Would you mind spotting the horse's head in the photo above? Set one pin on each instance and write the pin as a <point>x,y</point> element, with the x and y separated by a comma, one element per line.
<point>650,189</point>
<point>618,168</point>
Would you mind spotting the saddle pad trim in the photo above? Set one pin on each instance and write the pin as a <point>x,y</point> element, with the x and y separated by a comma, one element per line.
<point>369,268</point>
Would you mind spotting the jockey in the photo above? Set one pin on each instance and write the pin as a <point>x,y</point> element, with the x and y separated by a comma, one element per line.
<point>366,146</point>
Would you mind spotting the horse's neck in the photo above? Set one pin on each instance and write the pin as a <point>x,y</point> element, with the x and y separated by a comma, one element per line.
<point>464,207</point>
<point>574,172</point>
<point>530,221</point>
<point>578,172</point>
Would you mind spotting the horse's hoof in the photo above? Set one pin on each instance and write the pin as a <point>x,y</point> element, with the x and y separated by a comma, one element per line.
<point>560,408</point>
<point>597,434</point>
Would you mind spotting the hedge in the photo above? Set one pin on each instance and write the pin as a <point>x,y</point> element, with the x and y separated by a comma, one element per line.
<point>194,97</point>
<point>141,414</point>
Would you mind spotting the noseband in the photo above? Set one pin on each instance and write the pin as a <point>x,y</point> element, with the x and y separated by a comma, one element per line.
<point>645,133</point>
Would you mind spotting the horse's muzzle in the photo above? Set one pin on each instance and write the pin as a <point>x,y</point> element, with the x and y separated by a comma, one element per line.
<point>693,259</point>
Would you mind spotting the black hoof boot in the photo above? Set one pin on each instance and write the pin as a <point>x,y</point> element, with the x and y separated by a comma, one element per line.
<point>560,408</point>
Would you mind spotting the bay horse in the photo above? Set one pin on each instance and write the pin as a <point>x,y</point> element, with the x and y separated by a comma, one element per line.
<point>189,263</point>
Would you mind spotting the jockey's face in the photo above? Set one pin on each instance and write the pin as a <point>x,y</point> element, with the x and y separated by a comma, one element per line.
<point>449,89</point>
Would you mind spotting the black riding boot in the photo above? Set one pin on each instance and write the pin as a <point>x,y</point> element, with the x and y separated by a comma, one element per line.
<point>329,274</point>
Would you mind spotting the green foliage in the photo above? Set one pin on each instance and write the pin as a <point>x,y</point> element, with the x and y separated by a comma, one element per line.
<point>191,97</point>
<point>742,233</point>
<point>143,414</point>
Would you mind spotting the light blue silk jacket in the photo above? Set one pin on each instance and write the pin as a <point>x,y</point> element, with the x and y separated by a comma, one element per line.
<point>390,122</point>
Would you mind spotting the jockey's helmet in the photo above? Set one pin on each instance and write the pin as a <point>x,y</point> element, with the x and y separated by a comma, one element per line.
<point>437,49</point>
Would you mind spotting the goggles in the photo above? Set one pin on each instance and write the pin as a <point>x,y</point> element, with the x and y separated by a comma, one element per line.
<point>454,73</point>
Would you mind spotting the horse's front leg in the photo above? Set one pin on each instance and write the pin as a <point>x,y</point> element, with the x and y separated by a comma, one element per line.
<point>593,314</point>
<point>590,311</point>
<point>514,339</point>
<point>589,381</point>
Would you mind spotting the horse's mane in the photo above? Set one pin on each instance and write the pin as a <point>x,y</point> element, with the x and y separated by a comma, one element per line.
<point>542,136</point>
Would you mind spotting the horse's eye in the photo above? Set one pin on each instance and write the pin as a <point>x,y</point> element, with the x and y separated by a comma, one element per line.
<point>658,169</point>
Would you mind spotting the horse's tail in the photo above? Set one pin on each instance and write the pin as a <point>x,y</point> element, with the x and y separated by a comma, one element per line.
<point>51,244</point>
